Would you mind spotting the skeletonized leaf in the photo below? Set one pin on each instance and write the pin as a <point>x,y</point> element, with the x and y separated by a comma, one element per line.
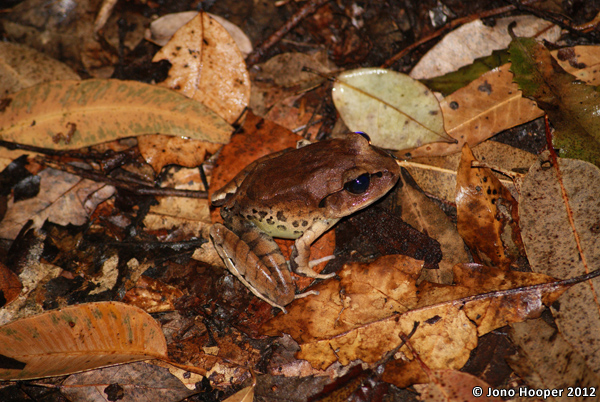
<point>78,338</point>
<point>560,220</point>
<point>396,111</point>
<point>75,114</point>
<point>207,66</point>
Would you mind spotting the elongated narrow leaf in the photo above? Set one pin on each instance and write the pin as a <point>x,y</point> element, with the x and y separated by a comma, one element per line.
<point>75,114</point>
<point>78,338</point>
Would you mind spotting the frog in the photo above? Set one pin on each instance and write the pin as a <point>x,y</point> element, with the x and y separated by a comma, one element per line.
<point>297,193</point>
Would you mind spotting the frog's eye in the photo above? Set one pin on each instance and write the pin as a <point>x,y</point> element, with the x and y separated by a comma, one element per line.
<point>358,185</point>
<point>365,135</point>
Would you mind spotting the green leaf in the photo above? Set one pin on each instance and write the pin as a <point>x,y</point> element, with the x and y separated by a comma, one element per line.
<point>75,114</point>
<point>451,82</point>
<point>396,111</point>
<point>572,106</point>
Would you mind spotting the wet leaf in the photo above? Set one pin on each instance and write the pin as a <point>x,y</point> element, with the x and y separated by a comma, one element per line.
<point>396,111</point>
<point>559,213</point>
<point>207,66</point>
<point>78,338</point>
<point>571,105</point>
<point>76,114</point>
<point>487,214</point>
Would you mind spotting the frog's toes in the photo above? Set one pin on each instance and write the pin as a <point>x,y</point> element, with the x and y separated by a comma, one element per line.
<point>314,263</point>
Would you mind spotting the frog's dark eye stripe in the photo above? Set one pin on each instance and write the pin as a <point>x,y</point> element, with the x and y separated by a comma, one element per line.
<point>358,185</point>
<point>365,135</point>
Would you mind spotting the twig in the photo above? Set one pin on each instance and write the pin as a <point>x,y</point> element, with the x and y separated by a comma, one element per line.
<point>125,185</point>
<point>260,50</point>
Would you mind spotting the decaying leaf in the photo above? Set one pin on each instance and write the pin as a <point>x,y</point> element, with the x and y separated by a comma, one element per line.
<point>488,105</point>
<point>487,213</point>
<point>127,382</point>
<point>22,67</point>
<point>10,286</point>
<point>396,111</point>
<point>477,39</point>
<point>162,29</point>
<point>76,114</point>
<point>162,150</point>
<point>580,61</point>
<point>78,338</point>
<point>420,212</point>
<point>559,213</point>
<point>545,358</point>
<point>363,315</point>
<point>454,386</point>
<point>207,66</point>
<point>64,198</point>
<point>436,175</point>
<point>571,105</point>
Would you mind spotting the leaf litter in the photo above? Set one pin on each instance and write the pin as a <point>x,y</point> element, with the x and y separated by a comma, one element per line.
<point>362,307</point>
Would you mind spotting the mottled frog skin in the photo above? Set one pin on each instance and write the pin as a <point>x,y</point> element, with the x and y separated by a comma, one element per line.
<point>295,194</point>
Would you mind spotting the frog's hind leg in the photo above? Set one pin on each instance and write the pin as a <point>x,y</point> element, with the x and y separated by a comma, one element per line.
<point>256,260</point>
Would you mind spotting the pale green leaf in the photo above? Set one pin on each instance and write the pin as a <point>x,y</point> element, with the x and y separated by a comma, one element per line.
<point>396,111</point>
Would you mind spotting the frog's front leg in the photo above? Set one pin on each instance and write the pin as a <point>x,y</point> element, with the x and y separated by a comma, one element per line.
<point>256,260</point>
<point>300,259</point>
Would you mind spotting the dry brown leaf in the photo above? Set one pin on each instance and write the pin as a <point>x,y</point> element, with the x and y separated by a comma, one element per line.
<point>487,214</point>
<point>454,386</point>
<point>78,338</point>
<point>488,105</point>
<point>564,242</point>
<point>436,175</point>
<point>476,39</point>
<point>162,150</point>
<point>581,61</point>
<point>22,67</point>
<point>243,395</point>
<point>207,66</point>
<point>132,382</point>
<point>152,296</point>
<point>363,315</point>
<point>63,198</point>
<point>423,214</point>
<point>546,360</point>
<point>76,114</point>
<point>10,285</point>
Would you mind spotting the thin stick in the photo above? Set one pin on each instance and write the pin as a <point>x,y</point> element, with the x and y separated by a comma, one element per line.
<point>308,9</point>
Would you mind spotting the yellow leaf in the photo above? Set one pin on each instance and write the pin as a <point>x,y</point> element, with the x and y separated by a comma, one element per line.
<point>76,114</point>
<point>78,338</point>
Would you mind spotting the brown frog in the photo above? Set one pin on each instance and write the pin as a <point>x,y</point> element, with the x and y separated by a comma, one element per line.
<point>295,194</point>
